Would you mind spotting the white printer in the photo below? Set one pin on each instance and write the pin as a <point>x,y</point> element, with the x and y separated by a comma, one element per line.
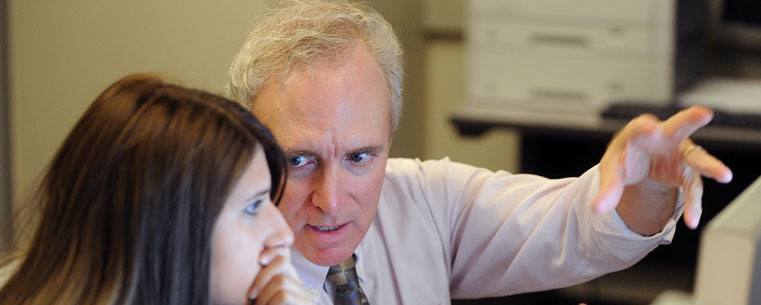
<point>579,56</point>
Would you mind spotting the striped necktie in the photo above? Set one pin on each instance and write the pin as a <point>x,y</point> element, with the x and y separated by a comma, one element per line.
<point>344,278</point>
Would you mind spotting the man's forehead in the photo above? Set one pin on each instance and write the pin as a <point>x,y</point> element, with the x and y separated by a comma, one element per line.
<point>322,107</point>
<point>335,109</point>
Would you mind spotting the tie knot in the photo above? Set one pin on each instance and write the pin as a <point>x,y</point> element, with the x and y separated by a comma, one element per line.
<point>344,273</point>
<point>343,277</point>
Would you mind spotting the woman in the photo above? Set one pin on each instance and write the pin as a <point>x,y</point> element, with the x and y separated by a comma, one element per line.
<point>160,195</point>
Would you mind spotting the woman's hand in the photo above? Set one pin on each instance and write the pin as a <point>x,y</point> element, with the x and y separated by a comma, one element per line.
<point>278,283</point>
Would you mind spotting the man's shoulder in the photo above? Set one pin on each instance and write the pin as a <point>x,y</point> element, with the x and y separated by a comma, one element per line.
<point>406,167</point>
<point>397,166</point>
<point>401,165</point>
<point>407,175</point>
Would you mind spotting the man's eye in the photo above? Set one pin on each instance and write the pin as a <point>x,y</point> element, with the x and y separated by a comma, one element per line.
<point>298,161</point>
<point>360,158</point>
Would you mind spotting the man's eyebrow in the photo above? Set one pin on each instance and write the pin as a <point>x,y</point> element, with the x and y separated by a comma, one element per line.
<point>297,152</point>
<point>368,149</point>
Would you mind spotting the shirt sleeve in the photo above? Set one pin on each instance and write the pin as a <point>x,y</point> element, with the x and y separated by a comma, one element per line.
<point>511,233</point>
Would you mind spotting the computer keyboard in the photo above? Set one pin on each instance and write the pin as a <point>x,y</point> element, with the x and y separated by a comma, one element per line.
<point>630,110</point>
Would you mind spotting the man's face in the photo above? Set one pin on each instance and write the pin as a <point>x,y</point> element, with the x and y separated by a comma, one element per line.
<point>333,122</point>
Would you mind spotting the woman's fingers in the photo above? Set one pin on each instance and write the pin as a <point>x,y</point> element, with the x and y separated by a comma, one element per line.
<point>269,254</point>
<point>266,274</point>
<point>277,283</point>
<point>283,290</point>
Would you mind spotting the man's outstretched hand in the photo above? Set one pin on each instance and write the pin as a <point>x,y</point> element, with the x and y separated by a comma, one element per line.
<point>651,156</point>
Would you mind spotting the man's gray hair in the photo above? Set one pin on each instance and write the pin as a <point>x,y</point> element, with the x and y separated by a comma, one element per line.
<point>295,35</point>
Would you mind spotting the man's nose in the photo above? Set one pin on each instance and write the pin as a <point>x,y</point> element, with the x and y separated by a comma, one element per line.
<point>327,190</point>
<point>282,235</point>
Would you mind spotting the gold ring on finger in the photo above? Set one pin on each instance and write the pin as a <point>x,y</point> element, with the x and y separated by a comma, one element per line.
<point>693,147</point>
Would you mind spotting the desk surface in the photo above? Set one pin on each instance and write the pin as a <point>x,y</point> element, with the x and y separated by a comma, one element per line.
<point>474,119</point>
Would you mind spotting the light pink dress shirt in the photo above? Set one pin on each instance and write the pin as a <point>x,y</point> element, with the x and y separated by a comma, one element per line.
<point>448,230</point>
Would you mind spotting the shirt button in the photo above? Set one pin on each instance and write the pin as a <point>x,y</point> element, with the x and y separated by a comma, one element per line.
<point>315,293</point>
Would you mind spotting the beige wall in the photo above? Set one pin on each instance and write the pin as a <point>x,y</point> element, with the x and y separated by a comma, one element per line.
<point>445,82</point>
<point>445,91</point>
<point>5,197</point>
<point>63,53</point>
<point>444,15</point>
<point>404,17</point>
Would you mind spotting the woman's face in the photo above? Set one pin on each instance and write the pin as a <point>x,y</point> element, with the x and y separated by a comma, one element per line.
<point>247,225</point>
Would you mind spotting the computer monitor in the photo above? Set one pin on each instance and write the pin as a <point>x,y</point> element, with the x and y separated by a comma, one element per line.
<point>729,262</point>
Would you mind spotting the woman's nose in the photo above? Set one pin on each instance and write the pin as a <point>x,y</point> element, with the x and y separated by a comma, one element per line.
<point>282,236</point>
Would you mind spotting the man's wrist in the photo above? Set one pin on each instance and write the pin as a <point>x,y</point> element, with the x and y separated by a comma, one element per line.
<point>647,206</point>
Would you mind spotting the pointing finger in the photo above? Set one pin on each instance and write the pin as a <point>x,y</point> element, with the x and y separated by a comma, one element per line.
<point>686,122</point>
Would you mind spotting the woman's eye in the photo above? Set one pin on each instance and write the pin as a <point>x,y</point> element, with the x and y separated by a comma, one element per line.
<point>252,208</point>
<point>298,161</point>
<point>360,157</point>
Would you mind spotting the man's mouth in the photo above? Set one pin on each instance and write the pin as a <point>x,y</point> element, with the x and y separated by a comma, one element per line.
<point>324,229</point>
<point>327,234</point>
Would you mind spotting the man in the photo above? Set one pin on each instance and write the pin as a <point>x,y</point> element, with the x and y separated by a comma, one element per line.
<point>326,77</point>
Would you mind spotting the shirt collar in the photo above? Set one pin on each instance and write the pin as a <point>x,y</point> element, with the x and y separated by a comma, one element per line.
<point>312,275</point>
<point>359,263</point>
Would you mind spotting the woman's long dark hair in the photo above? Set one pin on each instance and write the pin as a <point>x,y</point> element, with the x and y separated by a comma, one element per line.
<point>129,202</point>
